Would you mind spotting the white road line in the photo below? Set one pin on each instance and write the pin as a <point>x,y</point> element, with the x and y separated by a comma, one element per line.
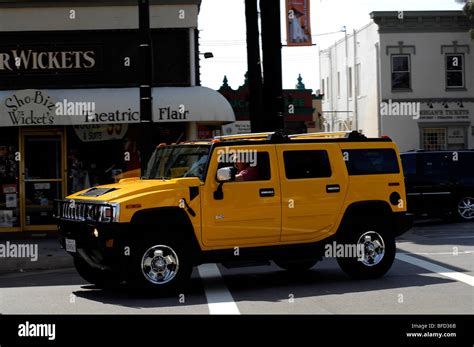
<point>439,253</point>
<point>218,297</point>
<point>437,269</point>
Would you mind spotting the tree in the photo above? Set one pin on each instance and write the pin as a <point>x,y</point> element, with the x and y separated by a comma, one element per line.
<point>469,11</point>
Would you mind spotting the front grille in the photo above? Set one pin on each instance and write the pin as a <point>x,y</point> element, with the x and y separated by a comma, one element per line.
<point>77,211</point>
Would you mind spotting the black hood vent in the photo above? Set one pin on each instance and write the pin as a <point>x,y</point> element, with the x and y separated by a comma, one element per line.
<point>95,192</point>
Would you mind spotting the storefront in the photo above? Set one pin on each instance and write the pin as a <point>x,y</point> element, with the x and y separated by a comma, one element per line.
<point>69,99</point>
<point>45,155</point>
<point>432,124</point>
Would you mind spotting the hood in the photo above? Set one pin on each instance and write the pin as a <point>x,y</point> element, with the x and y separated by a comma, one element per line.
<point>132,187</point>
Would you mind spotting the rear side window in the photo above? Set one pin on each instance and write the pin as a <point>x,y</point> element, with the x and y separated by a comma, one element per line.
<point>371,161</point>
<point>306,164</point>
<point>409,164</point>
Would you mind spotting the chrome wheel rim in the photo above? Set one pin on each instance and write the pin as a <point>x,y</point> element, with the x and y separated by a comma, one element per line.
<point>466,208</point>
<point>373,248</point>
<point>160,264</point>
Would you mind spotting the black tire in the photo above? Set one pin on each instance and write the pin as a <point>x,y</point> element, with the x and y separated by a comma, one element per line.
<point>461,210</point>
<point>181,265</point>
<point>363,269</point>
<point>100,278</point>
<point>296,265</point>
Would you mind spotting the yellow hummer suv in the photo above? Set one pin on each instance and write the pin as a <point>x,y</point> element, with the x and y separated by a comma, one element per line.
<point>240,200</point>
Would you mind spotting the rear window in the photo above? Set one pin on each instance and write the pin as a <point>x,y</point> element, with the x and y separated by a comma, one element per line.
<point>306,164</point>
<point>371,161</point>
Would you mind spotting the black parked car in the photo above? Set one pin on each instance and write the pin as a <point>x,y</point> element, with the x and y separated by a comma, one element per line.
<point>440,182</point>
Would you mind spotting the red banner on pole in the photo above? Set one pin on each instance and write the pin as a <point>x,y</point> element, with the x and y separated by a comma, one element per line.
<point>298,26</point>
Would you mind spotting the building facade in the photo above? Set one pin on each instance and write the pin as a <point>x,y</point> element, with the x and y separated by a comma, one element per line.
<point>301,108</point>
<point>408,75</point>
<point>69,97</point>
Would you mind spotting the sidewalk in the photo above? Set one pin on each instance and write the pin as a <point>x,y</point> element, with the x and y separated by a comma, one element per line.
<point>32,253</point>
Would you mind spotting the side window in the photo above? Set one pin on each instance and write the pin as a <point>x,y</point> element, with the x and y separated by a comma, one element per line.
<point>249,165</point>
<point>454,71</point>
<point>401,70</point>
<point>436,164</point>
<point>371,161</point>
<point>464,166</point>
<point>306,164</point>
<point>409,164</point>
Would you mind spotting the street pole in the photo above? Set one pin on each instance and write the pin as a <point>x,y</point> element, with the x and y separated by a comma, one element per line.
<point>146,81</point>
<point>254,67</point>
<point>273,102</point>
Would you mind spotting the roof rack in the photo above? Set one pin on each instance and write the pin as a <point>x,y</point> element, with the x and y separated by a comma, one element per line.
<point>277,135</point>
<point>249,136</point>
<point>327,135</point>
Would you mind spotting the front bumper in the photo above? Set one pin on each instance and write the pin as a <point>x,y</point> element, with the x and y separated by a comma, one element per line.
<point>105,251</point>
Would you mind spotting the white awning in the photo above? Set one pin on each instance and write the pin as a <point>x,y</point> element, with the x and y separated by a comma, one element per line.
<point>190,104</point>
<point>33,107</point>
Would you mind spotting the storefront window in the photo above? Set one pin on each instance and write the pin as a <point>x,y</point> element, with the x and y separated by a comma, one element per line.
<point>9,194</point>
<point>100,154</point>
<point>434,139</point>
<point>105,153</point>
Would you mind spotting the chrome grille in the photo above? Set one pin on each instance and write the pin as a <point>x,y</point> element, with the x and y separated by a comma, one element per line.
<point>77,211</point>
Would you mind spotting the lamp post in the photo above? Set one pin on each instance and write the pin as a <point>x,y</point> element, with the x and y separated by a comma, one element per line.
<point>146,81</point>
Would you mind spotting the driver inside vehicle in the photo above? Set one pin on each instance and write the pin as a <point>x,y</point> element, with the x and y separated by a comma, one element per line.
<point>246,172</point>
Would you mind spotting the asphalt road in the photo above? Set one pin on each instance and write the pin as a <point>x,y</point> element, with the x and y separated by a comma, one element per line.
<point>433,274</point>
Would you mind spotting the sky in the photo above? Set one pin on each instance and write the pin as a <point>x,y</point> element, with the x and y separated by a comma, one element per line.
<point>222,32</point>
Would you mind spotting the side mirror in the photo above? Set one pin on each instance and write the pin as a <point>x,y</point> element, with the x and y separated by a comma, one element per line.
<point>225,174</point>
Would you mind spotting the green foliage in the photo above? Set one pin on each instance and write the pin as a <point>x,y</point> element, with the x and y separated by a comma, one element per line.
<point>469,11</point>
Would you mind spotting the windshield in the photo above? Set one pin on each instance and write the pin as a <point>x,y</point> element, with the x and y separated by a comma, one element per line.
<point>177,161</point>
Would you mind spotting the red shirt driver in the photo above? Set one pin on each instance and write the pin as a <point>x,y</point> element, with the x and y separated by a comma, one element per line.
<point>246,172</point>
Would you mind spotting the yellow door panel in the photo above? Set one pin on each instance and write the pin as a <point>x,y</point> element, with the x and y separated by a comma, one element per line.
<point>249,213</point>
<point>314,185</point>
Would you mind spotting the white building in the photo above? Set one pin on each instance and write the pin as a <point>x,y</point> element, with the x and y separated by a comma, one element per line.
<point>408,75</point>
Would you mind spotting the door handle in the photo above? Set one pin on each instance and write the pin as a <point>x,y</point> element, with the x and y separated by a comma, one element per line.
<point>267,192</point>
<point>333,188</point>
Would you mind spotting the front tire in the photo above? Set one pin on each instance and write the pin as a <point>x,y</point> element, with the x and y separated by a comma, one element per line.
<point>161,266</point>
<point>377,251</point>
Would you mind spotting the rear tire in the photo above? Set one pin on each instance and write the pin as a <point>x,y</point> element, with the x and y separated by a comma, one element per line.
<point>378,245</point>
<point>100,278</point>
<point>160,265</point>
<point>295,266</point>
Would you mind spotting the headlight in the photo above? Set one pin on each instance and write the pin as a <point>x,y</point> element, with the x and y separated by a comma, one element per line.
<point>109,213</point>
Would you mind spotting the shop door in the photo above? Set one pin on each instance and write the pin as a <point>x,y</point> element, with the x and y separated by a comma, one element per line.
<point>42,175</point>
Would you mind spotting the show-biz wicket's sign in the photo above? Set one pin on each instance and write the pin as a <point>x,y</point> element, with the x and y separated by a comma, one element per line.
<point>69,107</point>
<point>30,107</point>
